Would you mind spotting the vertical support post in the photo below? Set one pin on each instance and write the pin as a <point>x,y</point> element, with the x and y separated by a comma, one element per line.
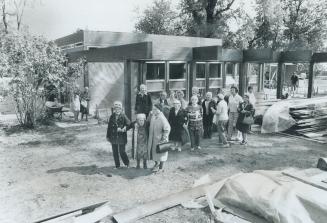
<point>310,84</point>
<point>166,83</point>
<point>86,74</point>
<point>192,79</point>
<point>263,76</point>
<point>280,80</point>
<point>223,74</point>
<point>143,75</point>
<point>187,78</point>
<point>242,78</point>
<point>207,76</point>
<point>128,88</point>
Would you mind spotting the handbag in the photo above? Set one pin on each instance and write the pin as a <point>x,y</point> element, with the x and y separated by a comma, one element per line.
<point>248,120</point>
<point>164,147</point>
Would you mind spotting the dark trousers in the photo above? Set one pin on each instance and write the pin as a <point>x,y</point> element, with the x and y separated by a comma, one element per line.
<point>195,137</point>
<point>119,149</point>
<point>207,127</point>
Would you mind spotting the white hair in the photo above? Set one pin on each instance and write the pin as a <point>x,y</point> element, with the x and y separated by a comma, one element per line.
<point>195,97</point>
<point>141,116</point>
<point>118,104</point>
<point>209,93</point>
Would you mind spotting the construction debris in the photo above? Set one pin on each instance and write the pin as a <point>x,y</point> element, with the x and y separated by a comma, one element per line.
<point>322,163</point>
<point>89,214</point>
<point>302,117</point>
<point>162,204</point>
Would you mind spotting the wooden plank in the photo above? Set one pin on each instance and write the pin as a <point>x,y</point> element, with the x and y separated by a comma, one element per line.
<point>84,209</point>
<point>305,180</point>
<point>95,216</point>
<point>161,204</point>
<point>64,217</point>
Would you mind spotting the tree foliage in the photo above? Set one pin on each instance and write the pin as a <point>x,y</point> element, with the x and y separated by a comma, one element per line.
<point>32,62</point>
<point>208,18</point>
<point>280,24</point>
<point>159,18</point>
<point>290,24</point>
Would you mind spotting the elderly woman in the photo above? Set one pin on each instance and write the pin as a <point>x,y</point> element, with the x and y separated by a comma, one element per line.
<point>195,124</point>
<point>116,134</point>
<point>140,140</point>
<point>177,120</point>
<point>76,105</point>
<point>245,118</point>
<point>171,99</point>
<point>158,133</point>
<point>180,97</point>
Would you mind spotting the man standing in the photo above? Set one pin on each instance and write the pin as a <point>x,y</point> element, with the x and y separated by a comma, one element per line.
<point>207,105</point>
<point>252,98</point>
<point>143,102</point>
<point>85,103</point>
<point>294,82</point>
<point>233,102</point>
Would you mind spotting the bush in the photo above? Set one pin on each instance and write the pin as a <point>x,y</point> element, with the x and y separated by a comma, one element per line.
<point>32,62</point>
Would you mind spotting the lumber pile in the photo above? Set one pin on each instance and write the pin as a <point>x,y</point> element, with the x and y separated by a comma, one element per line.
<point>311,121</point>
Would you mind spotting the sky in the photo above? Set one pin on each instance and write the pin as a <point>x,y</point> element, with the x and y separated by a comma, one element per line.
<point>57,18</point>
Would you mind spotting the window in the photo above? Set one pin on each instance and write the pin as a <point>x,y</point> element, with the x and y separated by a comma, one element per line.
<point>155,71</point>
<point>215,70</point>
<point>177,70</point>
<point>200,70</point>
<point>229,68</point>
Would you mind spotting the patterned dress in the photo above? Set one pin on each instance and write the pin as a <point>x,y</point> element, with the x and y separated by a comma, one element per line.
<point>142,140</point>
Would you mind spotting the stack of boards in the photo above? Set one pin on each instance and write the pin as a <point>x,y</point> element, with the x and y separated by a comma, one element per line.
<point>311,121</point>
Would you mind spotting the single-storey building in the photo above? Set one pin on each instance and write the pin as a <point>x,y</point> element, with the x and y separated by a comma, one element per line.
<point>117,63</point>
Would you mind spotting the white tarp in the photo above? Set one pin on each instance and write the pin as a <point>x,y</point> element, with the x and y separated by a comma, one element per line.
<point>277,198</point>
<point>277,117</point>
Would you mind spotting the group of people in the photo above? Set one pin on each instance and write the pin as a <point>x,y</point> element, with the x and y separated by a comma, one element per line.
<point>81,104</point>
<point>172,119</point>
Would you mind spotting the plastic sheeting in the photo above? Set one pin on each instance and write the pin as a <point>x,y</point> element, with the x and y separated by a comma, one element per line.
<point>276,197</point>
<point>277,118</point>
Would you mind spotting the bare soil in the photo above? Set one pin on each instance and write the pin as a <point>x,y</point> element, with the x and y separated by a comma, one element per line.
<point>52,170</point>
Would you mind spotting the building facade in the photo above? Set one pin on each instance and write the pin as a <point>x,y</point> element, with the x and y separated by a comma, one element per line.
<point>117,63</point>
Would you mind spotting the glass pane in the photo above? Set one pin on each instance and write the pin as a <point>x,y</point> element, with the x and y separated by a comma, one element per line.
<point>177,70</point>
<point>200,70</point>
<point>229,68</point>
<point>155,71</point>
<point>214,70</point>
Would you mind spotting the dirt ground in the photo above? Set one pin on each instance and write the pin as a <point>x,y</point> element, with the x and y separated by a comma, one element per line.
<point>53,170</point>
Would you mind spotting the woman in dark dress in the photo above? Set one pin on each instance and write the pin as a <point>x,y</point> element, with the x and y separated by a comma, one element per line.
<point>245,109</point>
<point>177,120</point>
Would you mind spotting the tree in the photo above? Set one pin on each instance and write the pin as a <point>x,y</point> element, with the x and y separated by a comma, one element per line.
<point>12,12</point>
<point>208,18</point>
<point>158,18</point>
<point>305,23</point>
<point>33,62</point>
<point>289,24</point>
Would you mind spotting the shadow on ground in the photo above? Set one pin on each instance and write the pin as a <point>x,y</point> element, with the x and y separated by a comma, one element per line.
<point>128,173</point>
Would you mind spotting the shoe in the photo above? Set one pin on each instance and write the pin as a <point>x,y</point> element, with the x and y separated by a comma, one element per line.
<point>199,148</point>
<point>155,169</point>
<point>179,149</point>
<point>192,149</point>
<point>225,145</point>
<point>244,143</point>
